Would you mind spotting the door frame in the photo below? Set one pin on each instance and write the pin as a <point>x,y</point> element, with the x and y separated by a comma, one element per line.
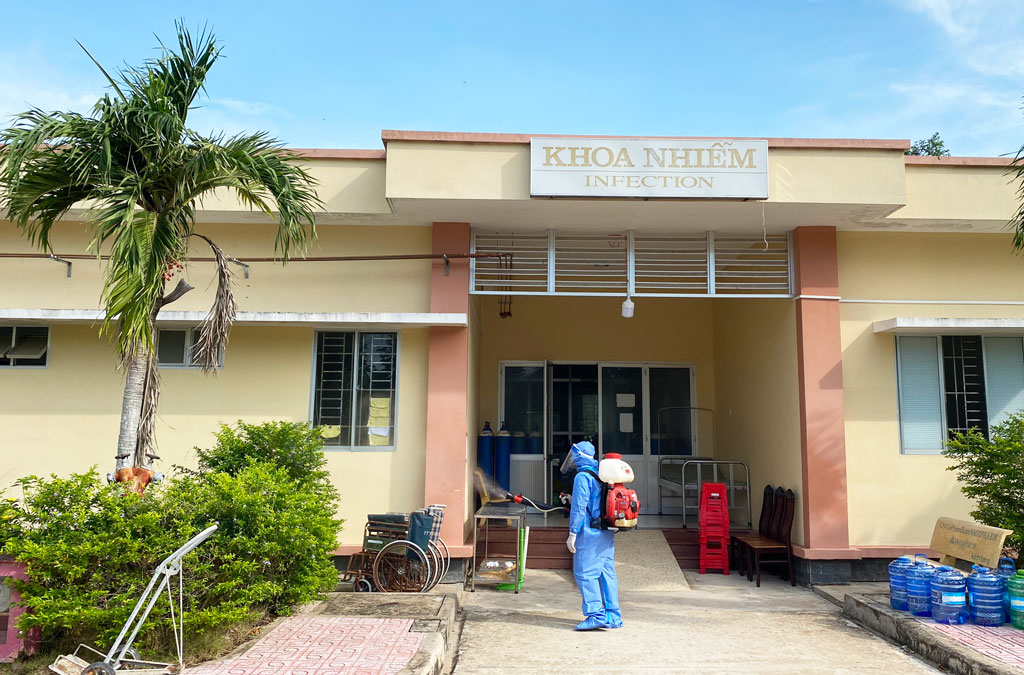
<point>646,420</point>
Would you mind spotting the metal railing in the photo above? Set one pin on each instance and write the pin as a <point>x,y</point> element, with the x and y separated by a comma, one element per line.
<point>707,470</point>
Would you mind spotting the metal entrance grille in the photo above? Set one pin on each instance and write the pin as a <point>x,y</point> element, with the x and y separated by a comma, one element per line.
<point>525,268</point>
<point>598,263</point>
<point>752,265</point>
<point>671,265</point>
<point>584,264</point>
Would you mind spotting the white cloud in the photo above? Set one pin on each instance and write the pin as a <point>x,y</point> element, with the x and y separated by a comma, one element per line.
<point>985,34</point>
<point>22,88</point>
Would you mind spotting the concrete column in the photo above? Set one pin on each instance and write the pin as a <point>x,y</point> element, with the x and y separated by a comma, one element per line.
<point>820,366</point>
<point>447,386</point>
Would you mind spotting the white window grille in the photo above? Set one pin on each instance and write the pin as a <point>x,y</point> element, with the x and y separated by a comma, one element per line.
<point>590,264</point>
<point>523,267</point>
<point>667,265</point>
<point>758,265</point>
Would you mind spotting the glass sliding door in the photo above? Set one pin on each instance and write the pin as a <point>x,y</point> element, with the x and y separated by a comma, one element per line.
<point>523,412</point>
<point>672,426</point>
<point>573,414</point>
<point>624,421</point>
<point>643,412</point>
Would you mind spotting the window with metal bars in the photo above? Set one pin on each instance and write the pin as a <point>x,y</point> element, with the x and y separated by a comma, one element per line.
<point>955,383</point>
<point>963,370</point>
<point>356,387</point>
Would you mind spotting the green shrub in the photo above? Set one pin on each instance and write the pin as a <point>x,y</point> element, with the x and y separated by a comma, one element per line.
<point>91,549</point>
<point>991,472</point>
<point>10,520</point>
<point>296,447</point>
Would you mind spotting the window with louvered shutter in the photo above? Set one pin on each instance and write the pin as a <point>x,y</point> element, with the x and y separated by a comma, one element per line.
<point>920,395</point>
<point>1004,377</point>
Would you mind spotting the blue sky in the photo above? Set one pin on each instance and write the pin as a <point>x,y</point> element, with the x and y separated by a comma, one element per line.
<point>333,74</point>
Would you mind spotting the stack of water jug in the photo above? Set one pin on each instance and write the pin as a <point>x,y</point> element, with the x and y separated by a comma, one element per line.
<point>985,597</point>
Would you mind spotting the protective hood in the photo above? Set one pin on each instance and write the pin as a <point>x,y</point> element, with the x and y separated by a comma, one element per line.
<point>579,457</point>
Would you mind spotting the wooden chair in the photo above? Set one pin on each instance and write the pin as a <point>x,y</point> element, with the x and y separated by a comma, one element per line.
<point>776,550</point>
<point>737,548</point>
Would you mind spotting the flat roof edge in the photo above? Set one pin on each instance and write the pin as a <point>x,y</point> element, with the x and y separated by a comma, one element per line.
<point>331,153</point>
<point>520,139</point>
<point>928,160</point>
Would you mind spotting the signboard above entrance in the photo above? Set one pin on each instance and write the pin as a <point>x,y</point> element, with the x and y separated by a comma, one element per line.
<point>637,167</point>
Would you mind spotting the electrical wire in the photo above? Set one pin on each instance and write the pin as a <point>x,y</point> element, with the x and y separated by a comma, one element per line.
<point>764,230</point>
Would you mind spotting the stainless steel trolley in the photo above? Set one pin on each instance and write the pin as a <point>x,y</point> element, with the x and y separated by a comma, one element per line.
<point>500,569</point>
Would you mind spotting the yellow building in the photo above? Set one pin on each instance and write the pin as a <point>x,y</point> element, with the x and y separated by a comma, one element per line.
<point>806,313</point>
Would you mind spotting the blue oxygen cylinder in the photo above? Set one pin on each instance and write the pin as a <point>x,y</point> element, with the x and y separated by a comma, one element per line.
<point>949,596</point>
<point>986,597</point>
<point>519,443</point>
<point>536,442</point>
<point>898,582</point>
<point>485,451</point>
<point>503,457</point>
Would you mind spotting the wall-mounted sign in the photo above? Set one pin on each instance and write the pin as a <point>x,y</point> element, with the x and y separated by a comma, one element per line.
<point>605,167</point>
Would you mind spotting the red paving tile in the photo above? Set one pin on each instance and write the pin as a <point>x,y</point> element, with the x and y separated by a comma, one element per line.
<point>1003,643</point>
<point>324,646</point>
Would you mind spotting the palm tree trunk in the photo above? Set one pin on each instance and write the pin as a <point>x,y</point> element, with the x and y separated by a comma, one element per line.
<point>131,408</point>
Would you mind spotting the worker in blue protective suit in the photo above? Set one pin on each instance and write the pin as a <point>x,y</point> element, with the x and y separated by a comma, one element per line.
<point>593,549</point>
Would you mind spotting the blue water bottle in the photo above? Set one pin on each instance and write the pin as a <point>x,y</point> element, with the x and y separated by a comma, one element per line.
<point>898,582</point>
<point>919,586</point>
<point>985,595</point>
<point>949,596</point>
<point>1007,568</point>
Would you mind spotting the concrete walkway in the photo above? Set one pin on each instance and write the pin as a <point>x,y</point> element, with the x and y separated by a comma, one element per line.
<point>675,623</point>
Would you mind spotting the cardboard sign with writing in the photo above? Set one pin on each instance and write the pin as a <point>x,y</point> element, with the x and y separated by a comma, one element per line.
<point>966,540</point>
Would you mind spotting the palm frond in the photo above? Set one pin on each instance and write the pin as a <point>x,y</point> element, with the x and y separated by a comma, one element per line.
<point>143,172</point>
<point>1017,221</point>
<point>213,332</point>
<point>145,444</point>
<point>264,176</point>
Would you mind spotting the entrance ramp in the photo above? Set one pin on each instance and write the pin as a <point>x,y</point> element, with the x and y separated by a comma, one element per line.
<point>645,562</point>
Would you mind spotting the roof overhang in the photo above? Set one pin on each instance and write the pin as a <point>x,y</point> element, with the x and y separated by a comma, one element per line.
<point>360,320</point>
<point>904,325</point>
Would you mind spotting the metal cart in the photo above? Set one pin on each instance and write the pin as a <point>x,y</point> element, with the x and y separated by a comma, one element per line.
<point>500,569</point>
<point>122,657</point>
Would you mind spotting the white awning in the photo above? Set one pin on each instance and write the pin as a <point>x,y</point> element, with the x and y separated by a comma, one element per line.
<point>362,320</point>
<point>945,326</point>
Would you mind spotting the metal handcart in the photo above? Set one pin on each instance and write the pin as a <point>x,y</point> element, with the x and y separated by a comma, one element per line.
<point>402,552</point>
<point>122,656</point>
<point>494,568</point>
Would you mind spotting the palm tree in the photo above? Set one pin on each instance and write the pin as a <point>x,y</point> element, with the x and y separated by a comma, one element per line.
<point>143,171</point>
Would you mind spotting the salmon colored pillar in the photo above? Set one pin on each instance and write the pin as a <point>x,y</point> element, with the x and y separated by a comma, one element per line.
<point>820,363</point>
<point>448,385</point>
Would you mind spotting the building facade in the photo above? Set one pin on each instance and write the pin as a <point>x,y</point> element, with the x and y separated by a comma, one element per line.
<point>823,311</point>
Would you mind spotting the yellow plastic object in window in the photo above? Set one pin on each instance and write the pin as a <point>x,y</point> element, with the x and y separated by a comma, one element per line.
<point>379,421</point>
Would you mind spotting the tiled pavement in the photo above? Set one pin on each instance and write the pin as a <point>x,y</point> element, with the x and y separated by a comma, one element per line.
<point>322,645</point>
<point>1003,643</point>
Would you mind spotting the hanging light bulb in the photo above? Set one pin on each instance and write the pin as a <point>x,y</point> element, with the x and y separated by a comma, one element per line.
<point>627,308</point>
